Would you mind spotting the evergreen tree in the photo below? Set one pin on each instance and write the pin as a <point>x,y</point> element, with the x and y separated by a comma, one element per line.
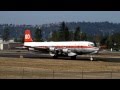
<point>61,32</point>
<point>38,35</point>
<point>77,34</point>
<point>6,34</point>
<point>71,35</point>
<point>109,41</point>
<point>67,34</point>
<point>83,36</point>
<point>22,38</point>
<point>103,40</point>
<point>116,41</point>
<point>54,36</point>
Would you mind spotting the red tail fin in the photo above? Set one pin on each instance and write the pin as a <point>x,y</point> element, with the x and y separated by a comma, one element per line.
<point>28,37</point>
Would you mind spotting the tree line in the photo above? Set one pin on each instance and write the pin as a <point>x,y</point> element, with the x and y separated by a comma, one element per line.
<point>65,34</point>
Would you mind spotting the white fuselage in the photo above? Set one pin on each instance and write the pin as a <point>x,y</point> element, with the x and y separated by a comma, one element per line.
<point>77,46</point>
<point>50,44</point>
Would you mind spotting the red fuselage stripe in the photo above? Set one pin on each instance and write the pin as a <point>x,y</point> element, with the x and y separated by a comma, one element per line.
<point>66,46</point>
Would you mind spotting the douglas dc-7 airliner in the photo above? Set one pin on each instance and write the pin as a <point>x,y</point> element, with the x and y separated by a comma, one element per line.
<point>63,48</point>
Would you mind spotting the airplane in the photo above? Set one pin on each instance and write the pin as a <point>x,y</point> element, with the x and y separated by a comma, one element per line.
<point>61,48</point>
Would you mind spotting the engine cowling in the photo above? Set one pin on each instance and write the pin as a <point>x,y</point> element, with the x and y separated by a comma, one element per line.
<point>31,49</point>
<point>72,54</point>
<point>65,50</point>
<point>52,49</point>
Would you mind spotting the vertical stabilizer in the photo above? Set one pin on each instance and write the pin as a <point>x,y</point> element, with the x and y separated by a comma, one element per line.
<point>28,37</point>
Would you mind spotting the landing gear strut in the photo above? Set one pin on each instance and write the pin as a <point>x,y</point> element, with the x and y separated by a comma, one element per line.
<point>56,54</point>
<point>55,57</point>
<point>91,58</point>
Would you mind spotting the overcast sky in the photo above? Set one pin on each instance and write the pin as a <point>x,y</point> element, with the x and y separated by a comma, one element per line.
<point>44,17</point>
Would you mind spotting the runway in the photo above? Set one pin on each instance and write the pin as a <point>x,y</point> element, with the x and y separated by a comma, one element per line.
<point>112,57</point>
<point>27,65</point>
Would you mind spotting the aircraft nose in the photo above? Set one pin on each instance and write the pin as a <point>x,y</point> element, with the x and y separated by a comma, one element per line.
<point>97,49</point>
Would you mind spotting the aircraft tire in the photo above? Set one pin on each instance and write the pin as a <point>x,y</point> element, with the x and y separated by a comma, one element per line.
<point>73,57</point>
<point>55,57</point>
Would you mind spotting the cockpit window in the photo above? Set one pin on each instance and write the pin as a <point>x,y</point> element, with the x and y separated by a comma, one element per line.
<point>91,44</point>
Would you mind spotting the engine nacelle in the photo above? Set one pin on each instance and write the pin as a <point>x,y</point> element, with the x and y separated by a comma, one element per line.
<point>65,50</point>
<point>31,49</point>
<point>52,49</point>
<point>72,54</point>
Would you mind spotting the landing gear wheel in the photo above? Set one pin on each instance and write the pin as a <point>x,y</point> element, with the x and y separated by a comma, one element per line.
<point>91,58</point>
<point>73,57</point>
<point>55,57</point>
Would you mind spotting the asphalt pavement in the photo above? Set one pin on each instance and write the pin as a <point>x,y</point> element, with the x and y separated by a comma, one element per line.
<point>102,56</point>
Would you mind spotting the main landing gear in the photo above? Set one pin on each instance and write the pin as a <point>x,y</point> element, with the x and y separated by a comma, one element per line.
<point>55,57</point>
<point>73,57</point>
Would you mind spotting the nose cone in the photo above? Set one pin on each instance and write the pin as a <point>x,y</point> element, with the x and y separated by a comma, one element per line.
<point>97,49</point>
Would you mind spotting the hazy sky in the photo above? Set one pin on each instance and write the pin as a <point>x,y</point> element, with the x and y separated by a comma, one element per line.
<point>43,17</point>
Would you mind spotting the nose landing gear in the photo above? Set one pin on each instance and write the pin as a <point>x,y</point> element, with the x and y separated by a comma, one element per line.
<point>91,58</point>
